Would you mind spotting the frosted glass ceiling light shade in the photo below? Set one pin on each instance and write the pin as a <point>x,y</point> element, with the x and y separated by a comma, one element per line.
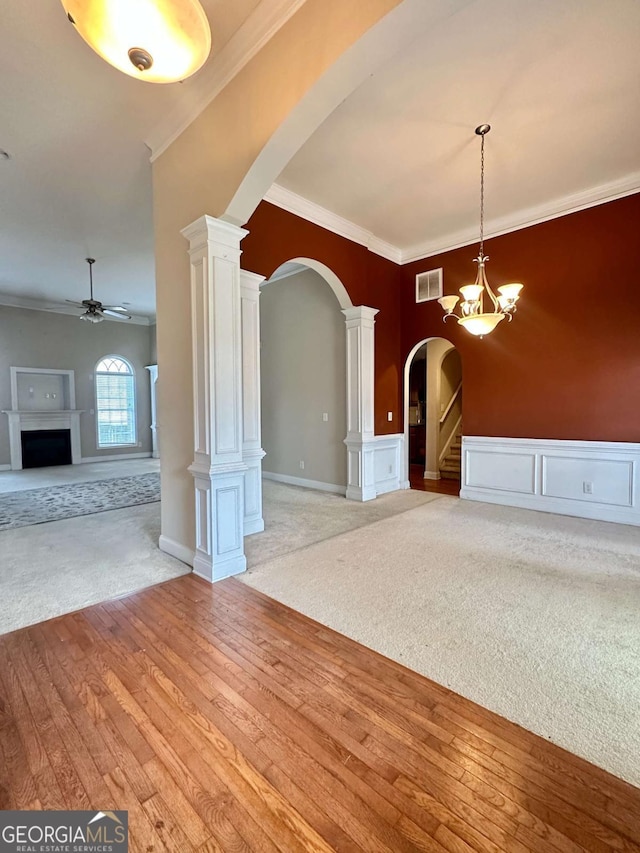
<point>160,41</point>
<point>472,315</point>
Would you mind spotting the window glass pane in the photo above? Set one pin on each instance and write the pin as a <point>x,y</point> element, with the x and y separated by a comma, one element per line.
<point>115,404</point>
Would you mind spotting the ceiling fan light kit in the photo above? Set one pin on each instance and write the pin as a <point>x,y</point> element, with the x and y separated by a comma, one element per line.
<point>472,315</point>
<point>159,41</point>
<point>95,311</point>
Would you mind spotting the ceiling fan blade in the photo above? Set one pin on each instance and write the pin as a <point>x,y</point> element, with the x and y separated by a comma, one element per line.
<point>77,304</point>
<point>111,313</point>
<point>115,308</point>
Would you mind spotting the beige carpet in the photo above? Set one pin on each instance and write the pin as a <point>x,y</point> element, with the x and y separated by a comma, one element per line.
<point>535,616</point>
<point>61,566</point>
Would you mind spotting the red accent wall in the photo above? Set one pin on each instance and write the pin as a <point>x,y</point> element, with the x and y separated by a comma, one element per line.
<point>568,366</point>
<point>276,236</point>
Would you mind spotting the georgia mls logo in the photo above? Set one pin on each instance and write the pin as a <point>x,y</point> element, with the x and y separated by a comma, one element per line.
<point>64,832</point>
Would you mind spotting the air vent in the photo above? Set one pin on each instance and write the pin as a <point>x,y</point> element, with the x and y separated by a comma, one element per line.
<point>429,285</point>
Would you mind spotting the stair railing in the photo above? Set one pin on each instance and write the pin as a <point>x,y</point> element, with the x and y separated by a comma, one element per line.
<point>446,442</point>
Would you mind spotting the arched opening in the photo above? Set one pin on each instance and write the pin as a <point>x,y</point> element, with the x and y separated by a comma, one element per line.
<point>303,376</point>
<point>433,416</point>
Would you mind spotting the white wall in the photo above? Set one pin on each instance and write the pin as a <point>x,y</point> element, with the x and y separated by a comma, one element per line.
<point>44,339</point>
<point>303,355</point>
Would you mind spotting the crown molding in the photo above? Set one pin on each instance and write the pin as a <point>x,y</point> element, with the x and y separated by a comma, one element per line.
<point>312,212</point>
<point>564,206</point>
<point>255,32</point>
<point>9,300</point>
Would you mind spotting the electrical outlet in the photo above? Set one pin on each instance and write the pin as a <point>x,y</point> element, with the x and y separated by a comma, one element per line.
<point>325,416</point>
<point>301,465</point>
<point>389,416</point>
<point>587,487</point>
<point>391,469</point>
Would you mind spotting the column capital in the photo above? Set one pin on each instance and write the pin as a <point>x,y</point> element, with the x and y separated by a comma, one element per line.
<point>207,229</point>
<point>360,314</point>
<point>251,280</point>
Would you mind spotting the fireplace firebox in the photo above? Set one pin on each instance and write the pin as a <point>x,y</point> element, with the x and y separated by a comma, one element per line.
<point>44,447</point>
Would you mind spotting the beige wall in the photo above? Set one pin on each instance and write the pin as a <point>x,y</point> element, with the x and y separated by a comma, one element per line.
<point>303,353</point>
<point>42,339</point>
<point>200,173</point>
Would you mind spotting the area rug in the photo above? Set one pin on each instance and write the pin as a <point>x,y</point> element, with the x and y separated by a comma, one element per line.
<point>532,615</point>
<point>36,506</point>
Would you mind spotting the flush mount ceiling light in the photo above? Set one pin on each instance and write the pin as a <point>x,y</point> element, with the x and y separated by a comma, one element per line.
<point>160,41</point>
<point>472,315</point>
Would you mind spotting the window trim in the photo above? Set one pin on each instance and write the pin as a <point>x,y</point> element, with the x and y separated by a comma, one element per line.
<point>132,373</point>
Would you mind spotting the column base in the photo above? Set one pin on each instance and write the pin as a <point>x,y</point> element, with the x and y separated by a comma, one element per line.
<point>219,492</point>
<point>361,468</point>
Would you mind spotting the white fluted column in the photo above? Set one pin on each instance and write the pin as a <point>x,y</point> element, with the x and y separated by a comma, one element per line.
<point>252,452</point>
<point>360,443</point>
<point>218,468</point>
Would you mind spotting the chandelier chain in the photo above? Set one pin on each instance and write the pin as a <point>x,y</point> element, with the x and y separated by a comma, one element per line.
<point>482,196</point>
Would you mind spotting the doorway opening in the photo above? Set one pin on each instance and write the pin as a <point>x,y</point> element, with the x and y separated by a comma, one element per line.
<point>433,416</point>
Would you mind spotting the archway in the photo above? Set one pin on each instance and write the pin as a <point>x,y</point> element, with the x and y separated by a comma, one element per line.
<point>304,376</point>
<point>433,415</point>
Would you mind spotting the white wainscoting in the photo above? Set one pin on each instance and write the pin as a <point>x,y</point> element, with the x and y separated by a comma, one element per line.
<point>388,463</point>
<point>589,479</point>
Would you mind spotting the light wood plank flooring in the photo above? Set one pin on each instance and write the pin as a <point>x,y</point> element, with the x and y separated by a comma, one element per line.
<point>223,721</point>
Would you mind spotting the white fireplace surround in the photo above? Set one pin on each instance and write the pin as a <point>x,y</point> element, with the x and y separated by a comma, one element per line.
<point>24,420</point>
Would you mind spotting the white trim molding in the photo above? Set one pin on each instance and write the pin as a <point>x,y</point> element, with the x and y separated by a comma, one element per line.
<point>312,212</point>
<point>116,457</point>
<point>318,215</point>
<point>587,479</point>
<point>245,43</point>
<point>305,484</point>
<point>175,549</point>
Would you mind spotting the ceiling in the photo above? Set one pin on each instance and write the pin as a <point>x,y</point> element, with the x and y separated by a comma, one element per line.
<point>558,80</point>
<point>79,181</point>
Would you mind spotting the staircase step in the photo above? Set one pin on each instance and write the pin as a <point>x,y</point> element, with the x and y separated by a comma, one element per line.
<point>449,475</point>
<point>449,466</point>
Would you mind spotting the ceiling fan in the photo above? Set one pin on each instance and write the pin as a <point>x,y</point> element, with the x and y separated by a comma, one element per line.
<point>95,311</point>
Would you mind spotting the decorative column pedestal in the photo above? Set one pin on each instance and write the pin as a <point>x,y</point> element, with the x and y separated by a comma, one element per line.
<point>252,452</point>
<point>360,438</point>
<point>218,468</point>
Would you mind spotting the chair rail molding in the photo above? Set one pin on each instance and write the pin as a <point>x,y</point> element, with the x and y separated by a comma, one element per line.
<point>587,479</point>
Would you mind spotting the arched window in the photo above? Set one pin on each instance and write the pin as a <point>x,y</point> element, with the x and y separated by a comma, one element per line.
<point>115,402</point>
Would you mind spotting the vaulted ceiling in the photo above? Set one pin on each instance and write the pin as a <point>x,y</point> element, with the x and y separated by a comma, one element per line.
<point>558,80</point>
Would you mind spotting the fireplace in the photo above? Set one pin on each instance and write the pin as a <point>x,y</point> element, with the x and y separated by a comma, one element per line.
<point>44,447</point>
<point>44,424</point>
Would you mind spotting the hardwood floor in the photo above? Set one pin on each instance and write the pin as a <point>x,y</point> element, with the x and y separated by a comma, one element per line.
<point>223,721</point>
<point>442,486</point>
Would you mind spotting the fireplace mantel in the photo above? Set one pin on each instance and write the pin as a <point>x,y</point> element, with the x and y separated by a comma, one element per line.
<point>23,420</point>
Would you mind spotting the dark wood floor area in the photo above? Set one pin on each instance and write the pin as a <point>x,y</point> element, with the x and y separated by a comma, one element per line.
<point>442,486</point>
<point>224,721</point>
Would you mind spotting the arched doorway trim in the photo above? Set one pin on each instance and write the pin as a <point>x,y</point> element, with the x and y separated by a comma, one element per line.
<point>407,369</point>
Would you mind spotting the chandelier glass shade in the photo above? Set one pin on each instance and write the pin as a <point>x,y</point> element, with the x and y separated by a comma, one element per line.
<point>160,41</point>
<point>472,315</point>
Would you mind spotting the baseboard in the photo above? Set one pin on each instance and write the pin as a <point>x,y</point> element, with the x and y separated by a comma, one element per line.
<point>305,484</point>
<point>432,475</point>
<point>177,550</point>
<point>598,480</point>
<point>5,467</point>
<point>117,457</point>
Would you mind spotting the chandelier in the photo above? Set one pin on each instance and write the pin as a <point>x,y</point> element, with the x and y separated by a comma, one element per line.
<point>159,41</point>
<point>472,314</point>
